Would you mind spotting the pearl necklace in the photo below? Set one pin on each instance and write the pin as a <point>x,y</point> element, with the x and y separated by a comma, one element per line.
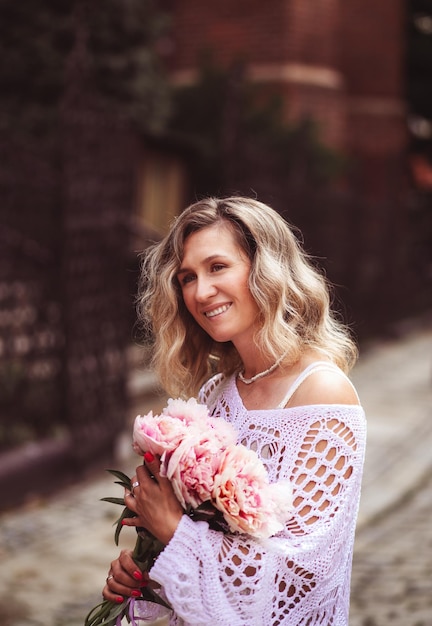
<point>249,381</point>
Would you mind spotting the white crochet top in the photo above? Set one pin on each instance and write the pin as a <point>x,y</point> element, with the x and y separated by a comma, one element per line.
<point>301,576</point>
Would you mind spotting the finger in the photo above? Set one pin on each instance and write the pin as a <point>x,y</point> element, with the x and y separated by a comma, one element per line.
<point>111,596</point>
<point>116,591</point>
<point>132,522</point>
<point>134,483</point>
<point>149,470</point>
<point>132,504</point>
<point>129,500</point>
<point>129,566</point>
<point>118,587</point>
<point>125,579</point>
<point>152,463</point>
<point>119,593</point>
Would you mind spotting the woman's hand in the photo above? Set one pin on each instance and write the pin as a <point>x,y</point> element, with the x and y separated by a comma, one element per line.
<point>124,579</point>
<point>154,502</point>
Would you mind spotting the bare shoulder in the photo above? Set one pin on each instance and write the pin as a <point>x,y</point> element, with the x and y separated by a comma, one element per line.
<point>324,387</point>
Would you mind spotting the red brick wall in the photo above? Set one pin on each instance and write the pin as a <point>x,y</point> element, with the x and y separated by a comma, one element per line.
<point>271,31</point>
<point>372,46</point>
<point>372,60</point>
<point>280,40</point>
<point>251,29</point>
<point>312,41</point>
<point>339,61</point>
<point>311,30</point>
<point>342,63</point>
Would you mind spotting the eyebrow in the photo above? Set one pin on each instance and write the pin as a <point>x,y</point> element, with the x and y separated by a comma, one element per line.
<point>212,257</point>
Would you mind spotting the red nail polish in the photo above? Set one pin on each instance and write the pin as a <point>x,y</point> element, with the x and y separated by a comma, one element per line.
<point>119,599</point>
<point>144,583</point>
<point>135,593</point>
<point>137,575</point>
<point>148,456</point>
<point>123,522</point>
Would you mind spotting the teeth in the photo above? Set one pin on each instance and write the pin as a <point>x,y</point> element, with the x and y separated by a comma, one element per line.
<point>217,311</point>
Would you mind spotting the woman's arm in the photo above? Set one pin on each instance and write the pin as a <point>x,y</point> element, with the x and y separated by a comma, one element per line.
<point>211,577</point>
<point>153,501</point>
<point>158,510</point>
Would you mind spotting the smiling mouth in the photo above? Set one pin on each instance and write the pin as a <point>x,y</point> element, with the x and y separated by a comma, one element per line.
<point>218,311</point>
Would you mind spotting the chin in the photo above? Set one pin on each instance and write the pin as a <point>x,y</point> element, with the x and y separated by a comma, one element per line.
<point>219,337</point>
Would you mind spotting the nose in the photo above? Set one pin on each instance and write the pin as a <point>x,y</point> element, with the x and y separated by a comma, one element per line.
<point>205,288</point>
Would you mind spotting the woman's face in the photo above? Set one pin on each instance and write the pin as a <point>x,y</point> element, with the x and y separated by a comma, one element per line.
<point>214,277</point>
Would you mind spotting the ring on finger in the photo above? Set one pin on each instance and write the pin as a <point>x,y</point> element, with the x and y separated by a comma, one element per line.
<point>109,577</point>
<point>134,485</point>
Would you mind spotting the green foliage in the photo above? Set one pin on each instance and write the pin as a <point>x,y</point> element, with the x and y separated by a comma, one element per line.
<point>121,63</point>
<point>236,134</point>
<point>34,43</point>
<point>123,41</point>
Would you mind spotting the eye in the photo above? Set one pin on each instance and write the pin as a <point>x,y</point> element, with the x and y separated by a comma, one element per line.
<point>217,267</point>
<point>187,278</point>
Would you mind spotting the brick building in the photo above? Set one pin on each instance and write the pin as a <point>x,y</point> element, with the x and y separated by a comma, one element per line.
<point>342,64</point>
<point>339,62</point>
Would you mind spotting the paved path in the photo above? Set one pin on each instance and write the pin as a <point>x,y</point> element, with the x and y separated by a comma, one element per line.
<point>394,381</point>
<point>392,569</point>
<point>54,553</point>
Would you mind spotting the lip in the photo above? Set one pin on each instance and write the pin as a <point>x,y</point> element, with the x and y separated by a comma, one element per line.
<point>215,311</point>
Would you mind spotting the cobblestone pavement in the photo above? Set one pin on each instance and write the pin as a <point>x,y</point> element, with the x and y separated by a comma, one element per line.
<point>391,583</point>
<point>392,570</point>
<point>54,556</point>
<point>54,553</point>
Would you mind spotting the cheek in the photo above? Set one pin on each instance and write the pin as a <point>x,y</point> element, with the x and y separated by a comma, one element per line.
<point>187,300</point>
<point>243,288</point>
<point>252,305</point>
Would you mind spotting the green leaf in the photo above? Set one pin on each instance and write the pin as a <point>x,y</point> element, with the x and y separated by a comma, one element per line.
<point>127,513</point>
<point>101,613</point>
<point>113,500</point>
<point>116,611</point>
<point>106,613</point>
<point>121,483</point>
<point>150,595</point>
<point>94,614</point>
<point>125,480</point>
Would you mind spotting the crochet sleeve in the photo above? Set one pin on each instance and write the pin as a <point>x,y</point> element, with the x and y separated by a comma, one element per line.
<point>209,577</point>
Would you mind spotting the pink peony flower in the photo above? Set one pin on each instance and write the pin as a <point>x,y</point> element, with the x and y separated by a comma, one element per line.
<point>245,498</point>
<point>281,495</point>
<point>223,431</point>
<point>158,433</point>
<point>200,458</point>
<point>191,468</point>
<point>189,411</point>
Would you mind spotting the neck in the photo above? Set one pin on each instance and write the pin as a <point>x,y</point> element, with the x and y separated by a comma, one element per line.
<point>261,373</point>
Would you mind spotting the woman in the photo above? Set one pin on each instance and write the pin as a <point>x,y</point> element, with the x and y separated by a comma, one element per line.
<point>237,310</point>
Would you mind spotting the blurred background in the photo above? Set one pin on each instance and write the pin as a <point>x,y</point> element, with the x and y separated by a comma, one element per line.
<point>115,115</point>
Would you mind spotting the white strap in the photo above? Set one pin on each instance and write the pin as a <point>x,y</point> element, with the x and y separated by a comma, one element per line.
<point>311,369</point>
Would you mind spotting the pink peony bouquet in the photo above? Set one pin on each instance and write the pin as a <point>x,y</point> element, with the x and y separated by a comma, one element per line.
<point>214,478</point>
<point>200,457</point>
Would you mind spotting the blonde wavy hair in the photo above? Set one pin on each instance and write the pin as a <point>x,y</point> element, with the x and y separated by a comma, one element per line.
<point>292,295</point>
